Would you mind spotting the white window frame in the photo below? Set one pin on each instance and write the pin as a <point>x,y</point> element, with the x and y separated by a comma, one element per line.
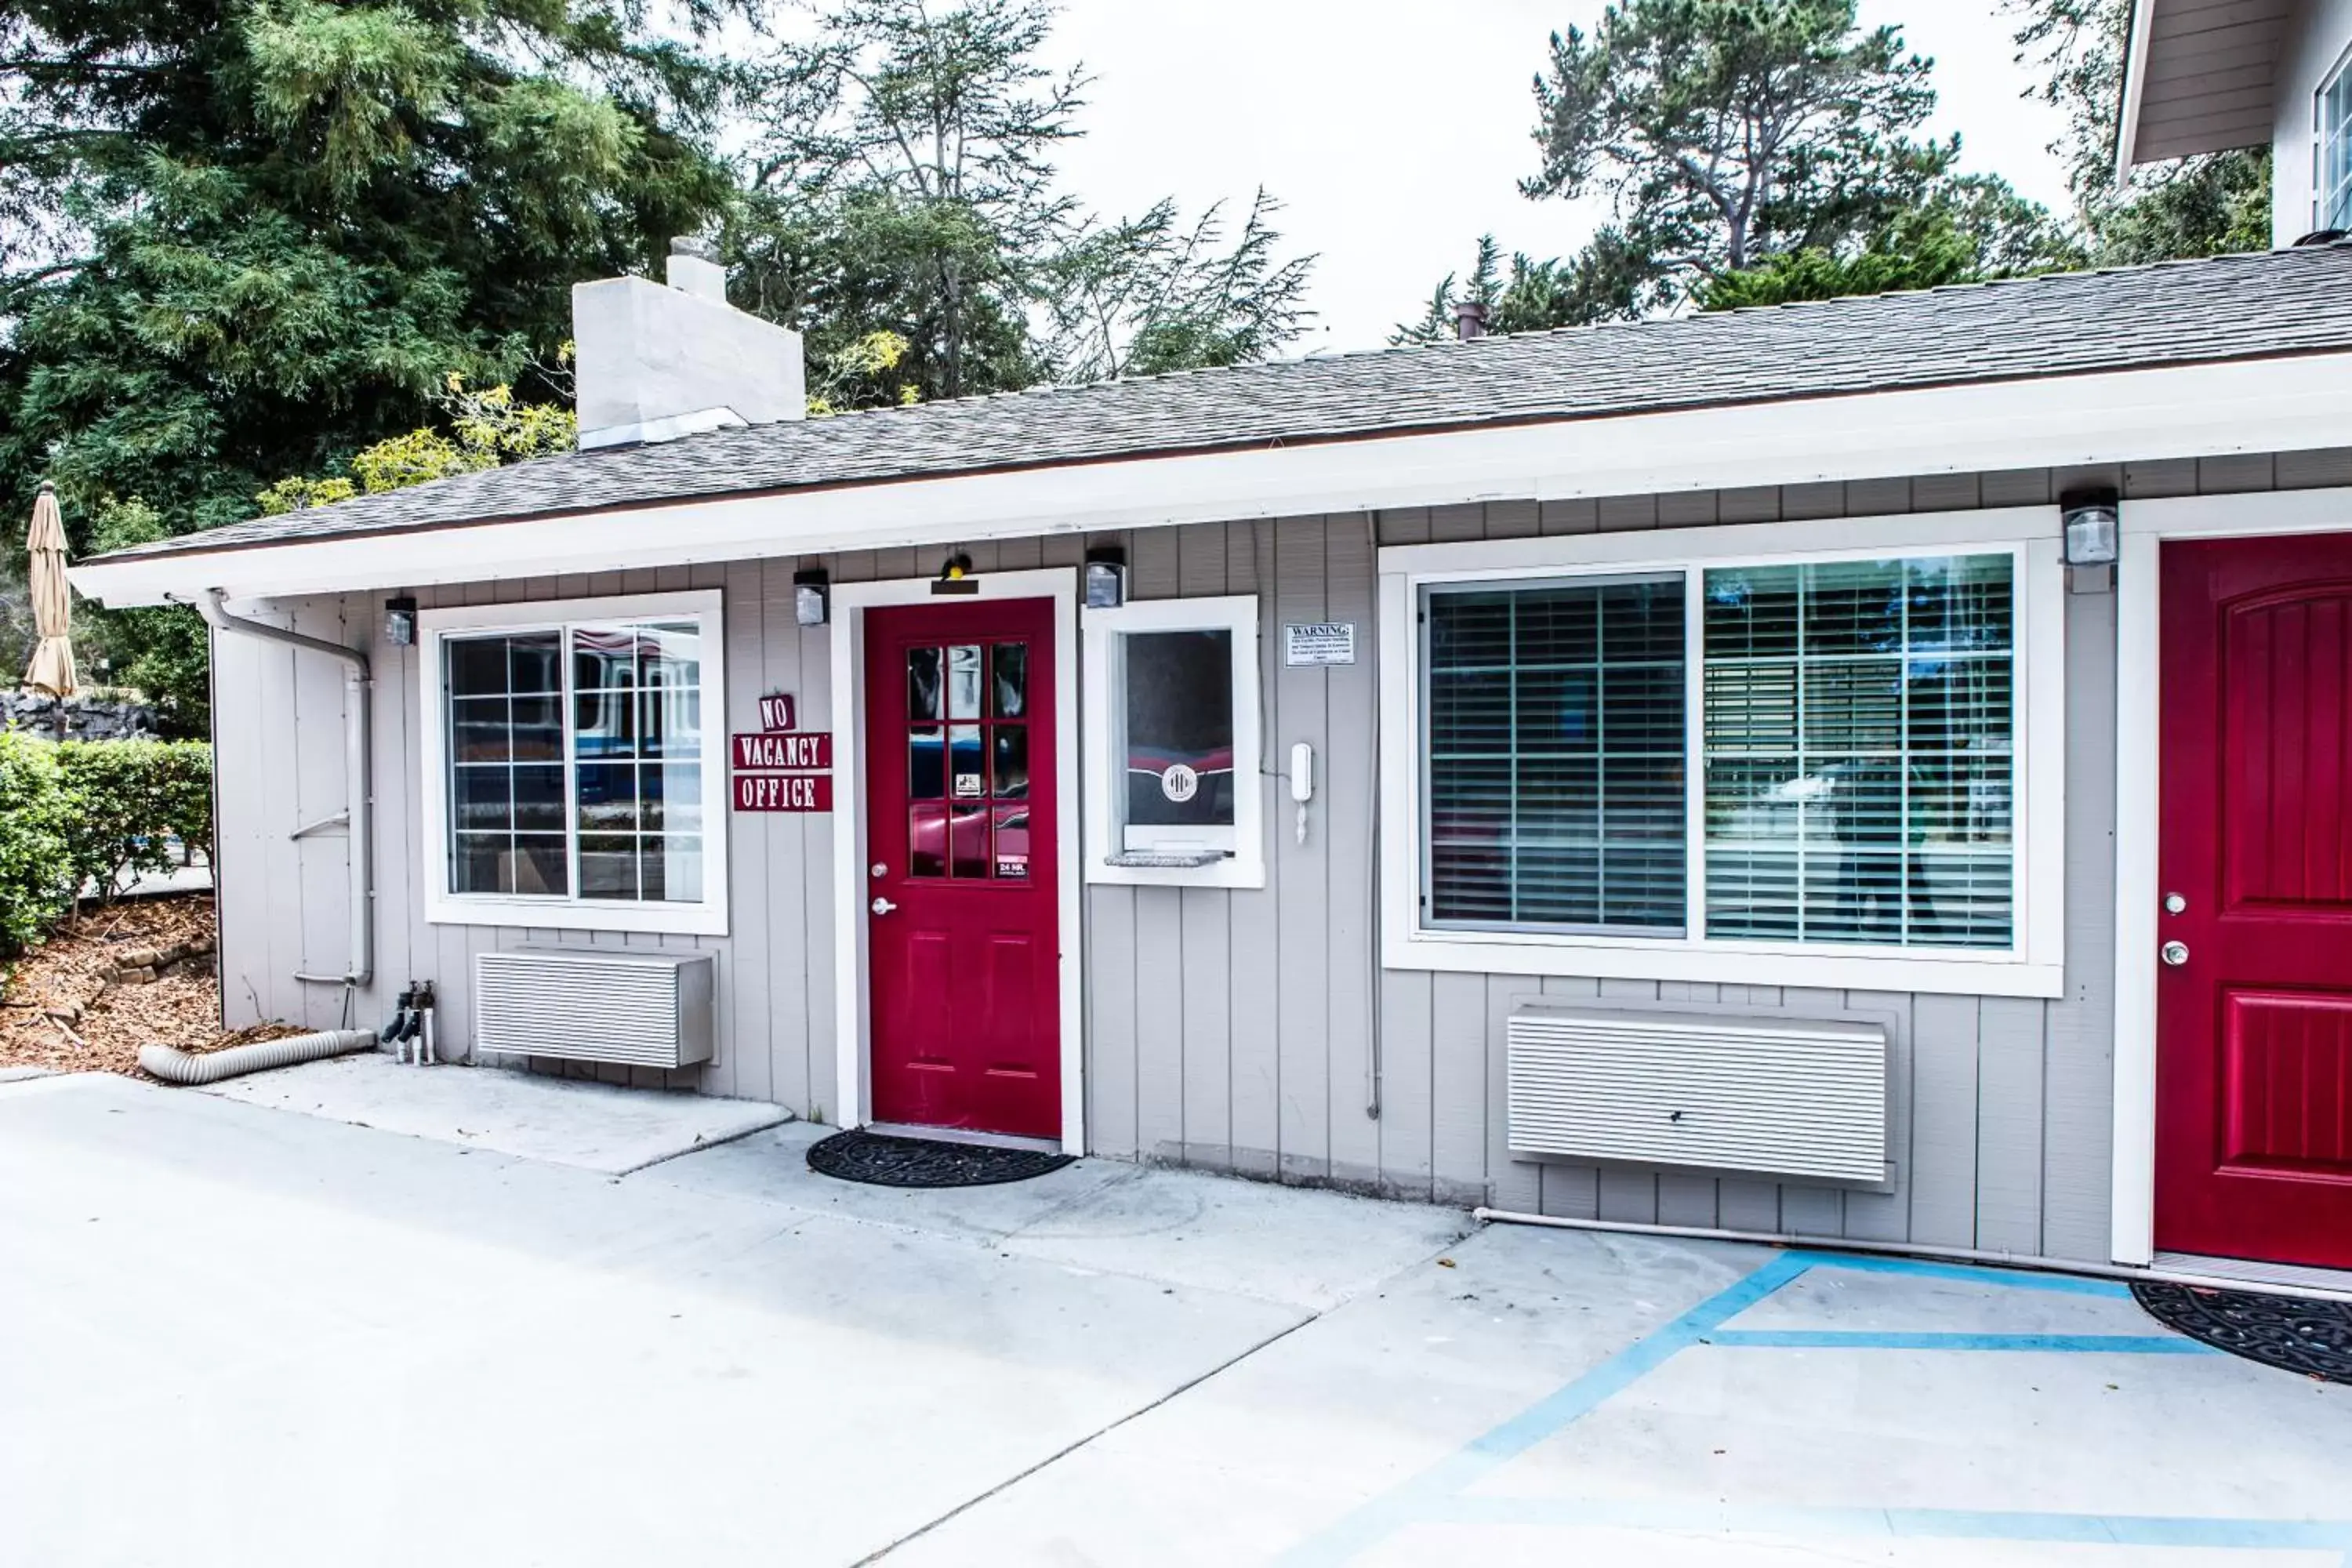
<point>443,907</point>
<point>2033,966</point>
<point>1104,730</point>
<point>2320,133</point>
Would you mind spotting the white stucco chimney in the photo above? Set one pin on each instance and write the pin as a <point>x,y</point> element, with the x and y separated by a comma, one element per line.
<point>655,362</point>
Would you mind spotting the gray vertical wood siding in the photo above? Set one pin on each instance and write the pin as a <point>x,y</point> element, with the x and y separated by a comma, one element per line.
<point>1235,1030</point>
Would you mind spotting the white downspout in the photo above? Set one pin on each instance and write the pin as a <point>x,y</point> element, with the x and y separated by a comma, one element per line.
<point>358,689</point>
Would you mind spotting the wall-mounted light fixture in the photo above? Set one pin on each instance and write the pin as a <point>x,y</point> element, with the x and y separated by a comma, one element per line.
<point>2092,544</point>
<point>1106,577</point>
<point>812,597</point>
<point>2089,517</point>
<point>955,575</point>
<point>400,621</point>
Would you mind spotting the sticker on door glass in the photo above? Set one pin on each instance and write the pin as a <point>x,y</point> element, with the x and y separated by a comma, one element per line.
<point>1179,782</point>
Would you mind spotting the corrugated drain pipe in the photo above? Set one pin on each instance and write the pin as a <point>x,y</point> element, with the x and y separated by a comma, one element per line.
<point>174,1066</point>
<point>1979,1257</point>
<point>357,691</point>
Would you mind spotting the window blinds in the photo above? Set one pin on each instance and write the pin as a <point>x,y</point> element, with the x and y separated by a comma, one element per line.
<point>1556,743</point>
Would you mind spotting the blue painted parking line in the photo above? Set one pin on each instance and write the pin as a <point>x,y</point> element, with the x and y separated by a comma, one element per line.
<point>1438,1495</point>
<point>1898,1523</point>
<point>1862,1339</point>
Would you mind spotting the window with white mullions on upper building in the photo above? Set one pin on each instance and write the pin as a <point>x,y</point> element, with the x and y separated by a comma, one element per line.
<point>2335,150</point>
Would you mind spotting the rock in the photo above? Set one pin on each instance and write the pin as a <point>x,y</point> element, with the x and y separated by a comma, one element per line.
<point>85,718</point>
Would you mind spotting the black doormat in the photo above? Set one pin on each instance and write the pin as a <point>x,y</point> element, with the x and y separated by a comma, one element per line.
<point>879,1159</point>
<point>2290,1332</point>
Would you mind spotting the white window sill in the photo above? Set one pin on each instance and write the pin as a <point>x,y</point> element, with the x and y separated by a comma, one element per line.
<point>1228,871</point>
<point>1485,953</point>
<point>534,914</point>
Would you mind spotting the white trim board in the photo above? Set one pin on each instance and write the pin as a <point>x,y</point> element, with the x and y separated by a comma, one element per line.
<point>2183,410</point>
<point>709,918</point>
<point>2139,756</point>
<point>852,1017</point>
<point>2035,967</point>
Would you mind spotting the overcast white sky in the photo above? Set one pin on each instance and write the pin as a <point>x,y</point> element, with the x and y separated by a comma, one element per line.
<point>1394,130</point>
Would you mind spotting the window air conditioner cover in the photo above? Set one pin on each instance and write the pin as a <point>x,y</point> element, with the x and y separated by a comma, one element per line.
<point>643,1009</point>
<point>1771,1096</point>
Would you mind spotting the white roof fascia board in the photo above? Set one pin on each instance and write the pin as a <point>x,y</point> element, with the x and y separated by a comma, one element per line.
<point>2143,20</point>
<point>2290,404</point>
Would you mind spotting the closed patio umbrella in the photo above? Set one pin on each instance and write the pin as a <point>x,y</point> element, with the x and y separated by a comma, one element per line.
<point>52,669</point>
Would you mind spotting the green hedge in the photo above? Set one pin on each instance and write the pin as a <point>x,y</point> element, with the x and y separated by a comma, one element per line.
<point>36,884</point>
<point>78,812</point>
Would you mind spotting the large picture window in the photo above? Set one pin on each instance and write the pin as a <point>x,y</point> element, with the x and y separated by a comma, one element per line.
<point>1740,758</point>
<point>578,764</point>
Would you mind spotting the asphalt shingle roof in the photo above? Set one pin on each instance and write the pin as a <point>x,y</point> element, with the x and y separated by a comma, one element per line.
<point>2239,307</point>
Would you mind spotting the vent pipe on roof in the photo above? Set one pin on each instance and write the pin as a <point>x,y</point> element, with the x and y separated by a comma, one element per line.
<point>1469,320</point>
<point>660,361</point>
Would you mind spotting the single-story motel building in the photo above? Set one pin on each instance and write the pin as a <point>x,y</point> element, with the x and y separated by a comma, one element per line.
<point>1869,769</point>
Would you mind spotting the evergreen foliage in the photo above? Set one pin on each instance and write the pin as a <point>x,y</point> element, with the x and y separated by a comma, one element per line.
<point>1757,150</point>
<point>241,239</point>
<point>902,191</point>
<point>2208,206</point>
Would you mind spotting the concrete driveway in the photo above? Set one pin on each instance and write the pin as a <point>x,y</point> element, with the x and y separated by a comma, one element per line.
<point>235,1335</point>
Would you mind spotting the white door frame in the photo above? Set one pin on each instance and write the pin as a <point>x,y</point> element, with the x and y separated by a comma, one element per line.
<point>2146,525</point>
<point>851,1016</point>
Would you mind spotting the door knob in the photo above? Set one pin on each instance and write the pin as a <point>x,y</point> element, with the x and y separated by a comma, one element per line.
<point>884,906</point>
<point>2176,954</point>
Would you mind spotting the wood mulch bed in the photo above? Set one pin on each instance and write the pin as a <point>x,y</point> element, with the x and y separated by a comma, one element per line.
<point>143,972</point>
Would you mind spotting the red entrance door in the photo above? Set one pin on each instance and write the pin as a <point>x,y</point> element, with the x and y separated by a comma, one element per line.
<point>2254,1005</point>
<point>965,958</point>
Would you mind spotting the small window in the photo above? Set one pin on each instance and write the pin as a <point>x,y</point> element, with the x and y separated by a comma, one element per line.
<point>1174,790</point>
<point>2334,189</point>
<point>579,777</point>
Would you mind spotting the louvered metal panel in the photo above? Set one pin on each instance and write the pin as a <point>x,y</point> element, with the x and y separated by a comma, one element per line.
<point>646,1009</point>
<point>1780,1097</point>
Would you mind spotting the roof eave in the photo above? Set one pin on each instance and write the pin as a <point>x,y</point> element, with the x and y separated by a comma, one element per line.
<point>2288,403</point>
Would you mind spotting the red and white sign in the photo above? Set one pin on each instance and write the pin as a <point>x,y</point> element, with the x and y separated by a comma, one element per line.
<point>776,712</point>
<point>799,752</point>
<point>783,792</point>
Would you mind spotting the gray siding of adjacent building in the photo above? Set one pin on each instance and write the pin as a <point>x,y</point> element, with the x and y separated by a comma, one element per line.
<point>1235,1030</point>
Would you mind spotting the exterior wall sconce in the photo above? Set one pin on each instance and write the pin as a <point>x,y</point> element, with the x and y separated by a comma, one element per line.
<point>2091,528</point>
<point>812,598</point>
<point>400,622</point>
<point>1106,577</point>
<point>955,575</point>
<point>2092,544</point>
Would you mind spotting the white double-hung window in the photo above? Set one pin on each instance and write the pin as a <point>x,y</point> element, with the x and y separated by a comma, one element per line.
<point>576,764</point>
<point>1829,768</point>
<point>2334,150</point>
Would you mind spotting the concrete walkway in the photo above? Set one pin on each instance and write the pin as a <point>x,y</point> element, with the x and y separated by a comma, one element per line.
<point>233,1335</point>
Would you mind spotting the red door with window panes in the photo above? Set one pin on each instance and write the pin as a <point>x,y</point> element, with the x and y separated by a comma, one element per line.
<point>2254,869</point>
<point>964,955</point>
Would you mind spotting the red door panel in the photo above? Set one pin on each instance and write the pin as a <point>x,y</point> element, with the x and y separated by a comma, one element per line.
<point>964,954</point>
<point>2254,1027</point>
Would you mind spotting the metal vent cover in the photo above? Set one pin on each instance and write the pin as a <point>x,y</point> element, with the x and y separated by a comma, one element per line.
<point>1768,1096</point>
<point>643,1009</point>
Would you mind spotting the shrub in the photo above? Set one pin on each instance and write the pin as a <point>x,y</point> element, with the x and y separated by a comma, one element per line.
<point>125,799</point>
<point>37,877</point>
